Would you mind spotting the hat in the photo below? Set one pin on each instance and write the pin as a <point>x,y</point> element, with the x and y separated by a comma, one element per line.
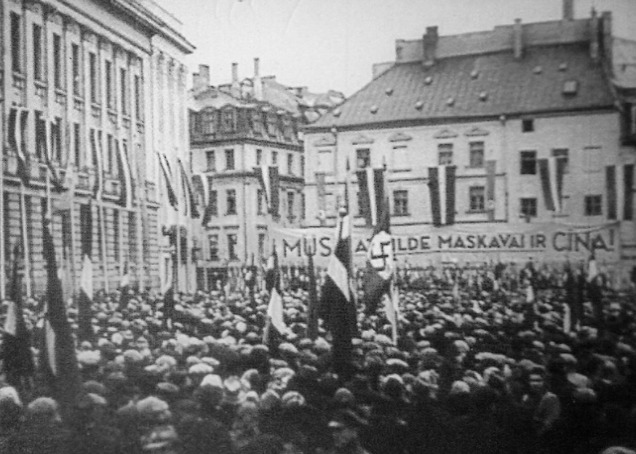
<point>346,419</point>
<point>152,407</point>
<point>344,396</point>
<point>44,407</point>
<point>292,399</point>
<point>200,369</point>
<point>10,393</point>
<point>212,380</point>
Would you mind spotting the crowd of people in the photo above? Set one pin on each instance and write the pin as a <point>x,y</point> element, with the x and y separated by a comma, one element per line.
<point>478,367</point>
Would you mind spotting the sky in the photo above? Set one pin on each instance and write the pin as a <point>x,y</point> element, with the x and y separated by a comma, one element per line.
<point>332,44</point>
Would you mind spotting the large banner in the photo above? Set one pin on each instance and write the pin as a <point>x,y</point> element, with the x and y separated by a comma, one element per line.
<point>475,242</point>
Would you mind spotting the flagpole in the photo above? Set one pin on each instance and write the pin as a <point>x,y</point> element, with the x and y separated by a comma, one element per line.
<point>177,234</point>
<point>72,232</point>
<point>120,240</point>
<point>4,215</point>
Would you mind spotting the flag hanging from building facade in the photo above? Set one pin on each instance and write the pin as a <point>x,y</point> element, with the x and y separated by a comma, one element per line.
<point>371,194</point>
<point>270,184</point>
<point>441,182</point>
<point>98,164</point>
<point>166,171</point>
<point>551,172</point>
<point>85,297</point>
<point>125,177</point>
<point>187,193</point>
<point>16,126</point>
<point>491,169</point>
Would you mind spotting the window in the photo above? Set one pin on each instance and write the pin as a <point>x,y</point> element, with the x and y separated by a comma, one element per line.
<point>75,67</point>
<point>259,157</point>
<point>229,159</point>
<point>231,201</point>
<point>214,203</point>
<point>528,161</point>
<point>476,154</point>
<point>214,247</point>
<point>228,120</point>
<point>16,43</point>
<point>260,201</point>
<point>400,203</point>
<point>232,241</point>
<point>290,164</point>
<point>529,207</point>
<point>92,68</point>
<point>123,87</point>
<point>274,158</point>
<point>138,104</point>
<point>211,161</point>
<point>77,144</point>
<point>527,125</point>
<point>57,61</point>
<point>561,154</point>
<point>592,159</point>
<point>400,158</point>
<point>209,121</point>
<point>363,158</point>
<point>476,198</point>
<point>108,70</point>
<point>593,205</point>
<point>261,244</point>
<point>290,205</point>
<point>37,52</point>
<point>445,154</point>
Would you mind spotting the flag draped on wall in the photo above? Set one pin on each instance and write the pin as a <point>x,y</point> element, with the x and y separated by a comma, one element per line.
<point>491,169</point>
<point>321,190</point>
<point>166,171</point>
<point>551,172</point>
<point>64,377</point>
<point>16,127</point>
<point>125,177</point>
<point>270,183</point>
<point>619,187</point>
<point>371,187</point>
<point>98,164</point>
<point>337,300</point>
<point>44,128</point>
<point>85,298</point>
<point>441,182</point>
<point>17,357</point>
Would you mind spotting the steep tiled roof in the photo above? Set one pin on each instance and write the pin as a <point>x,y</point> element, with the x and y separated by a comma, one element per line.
<point>477,86</point>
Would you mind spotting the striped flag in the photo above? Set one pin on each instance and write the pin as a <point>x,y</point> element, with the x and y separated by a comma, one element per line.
<point>49,146</point>
<point>338,307</point>
<point>17,357</point>
<point>98,164</point>
<point>270,182</point>
<point>85,298</point>
<point>322,196</point>
<point>275,319</point>
<point>371,186</point>
<point>491,168</point>
<point>65,381</point>
<point>201,188</point>
<point>166,171</point>
<point>392,309</point>
<point>441,182</point>
<point>16,128</point>
<point>551,173</point>
<point>188,194</point>
<point>125,177</point>
<point>619,186</point>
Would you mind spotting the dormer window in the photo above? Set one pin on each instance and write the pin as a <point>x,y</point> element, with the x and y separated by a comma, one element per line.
<point>570,87</point>
<point>229,120</point>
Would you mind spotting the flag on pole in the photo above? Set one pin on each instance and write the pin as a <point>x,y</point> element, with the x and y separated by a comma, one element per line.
<point>628,191</point>
<point>312,318</point>
<point>392,309</point>
<point>50,150</point>
<point>337,301</point>
<point>270,183</point>
<point>441,182</point>
<point>85,298</point>
<point>16,347</point>
<point>65,380</point>
<point>125,177</point>
<point>166,170</point>
<point>371,194</point>
<point>380,267</point>
<point>276,326</point>
<point>188,194</point>
<point>491,167</point>
<point>592,268</point>
<point>201,187</point>
<point>98,165</point>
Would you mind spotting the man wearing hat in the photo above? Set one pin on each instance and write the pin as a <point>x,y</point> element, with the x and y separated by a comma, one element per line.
<point>345,427</point>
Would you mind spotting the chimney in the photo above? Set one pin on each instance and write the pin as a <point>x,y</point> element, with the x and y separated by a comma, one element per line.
<point>235,89</point>
<point>234,73</point>
<point>517,39</point>
<point>429,41</point>
<point>568,9</point>
<point>204,74</point>
<point>606,30</point>
<point>594,36</point>
<point>258,82</point>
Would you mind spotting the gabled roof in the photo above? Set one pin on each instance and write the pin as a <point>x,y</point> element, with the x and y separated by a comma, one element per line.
<point>475,86</point>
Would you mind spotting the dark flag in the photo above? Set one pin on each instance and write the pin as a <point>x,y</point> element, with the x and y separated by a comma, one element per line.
<point>371,187</point>
<point>85,299</point>
<point>125,177</point>
<point>380,266</point>
<point>64,379</point>
<point>168,306</point>
<point>270,183</point>
<point>17,122</point>
<point>442,191</point>
<point>337,306</point>
<point>312,318</point>
<point>166,170</point>
<point>16,346</point>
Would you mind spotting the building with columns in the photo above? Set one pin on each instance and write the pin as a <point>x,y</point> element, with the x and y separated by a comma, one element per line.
<point>524,133</point>
<point>235,128</point>
<point>97,87</point>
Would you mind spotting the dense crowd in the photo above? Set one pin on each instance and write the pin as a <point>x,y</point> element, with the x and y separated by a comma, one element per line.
<point>479,367</point>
